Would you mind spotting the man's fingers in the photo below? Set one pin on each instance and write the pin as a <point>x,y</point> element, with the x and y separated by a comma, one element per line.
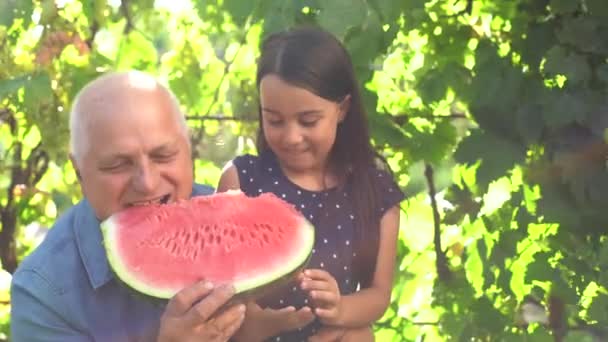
<point>227,320</point>
<point>204,309</point>
<point>184,299</point>
<point>253,308</point>
<point>232,327</point>
<point>282,311</point>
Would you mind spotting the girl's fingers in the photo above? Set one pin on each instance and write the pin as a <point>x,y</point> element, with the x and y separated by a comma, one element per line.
<point>317,274</point>
<point>319,285</point>
<point>324,298</point>
<point>325,313</point>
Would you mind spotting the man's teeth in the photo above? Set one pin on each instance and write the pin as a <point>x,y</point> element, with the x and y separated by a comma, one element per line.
<point>161,200</point>
<point>147,202</point>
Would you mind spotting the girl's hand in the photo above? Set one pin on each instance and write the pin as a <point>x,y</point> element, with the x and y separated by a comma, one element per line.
<point>324,294</point>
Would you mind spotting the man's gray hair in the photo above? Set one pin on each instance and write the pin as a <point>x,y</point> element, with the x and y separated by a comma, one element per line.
<point>136,79</point>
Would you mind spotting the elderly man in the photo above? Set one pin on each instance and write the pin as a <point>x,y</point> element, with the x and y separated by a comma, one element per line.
<point>129,146</point>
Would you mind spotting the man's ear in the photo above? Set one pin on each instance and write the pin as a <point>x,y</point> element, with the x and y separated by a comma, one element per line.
<point>75,166</point>
<point>344,107</point>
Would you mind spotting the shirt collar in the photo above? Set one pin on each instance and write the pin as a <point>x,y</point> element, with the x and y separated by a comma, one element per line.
<point>89,240</point>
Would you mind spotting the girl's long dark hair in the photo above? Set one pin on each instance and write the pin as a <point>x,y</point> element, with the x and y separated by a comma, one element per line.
<point>313,59</point>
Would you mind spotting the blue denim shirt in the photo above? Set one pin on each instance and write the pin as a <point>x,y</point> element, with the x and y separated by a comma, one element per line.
<point>65,290</point>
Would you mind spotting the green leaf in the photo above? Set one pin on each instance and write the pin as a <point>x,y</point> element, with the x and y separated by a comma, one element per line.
<point>487,317</point>
<point>415,14</point>
<point>365,43</point>
<point>554,208</point>
<point>579,336</point>
<point>602,73</point>
<point>278,15</point>
<point>598,189</point>
<point>573,29</point>
<point>563,290</point>
<point>539,269</point>
<point>598,8</point>
<point>598,310</point>
<point>389,10</point>
<point>540,37</point>
<point>541,334</point>
<point>430,142</point>
<point>432,86</point>
<point>338,16</point>
<point>240,10</point>
<point>62,201</point>
<point>384,131</point>
<point>506,247</point>
<point>563,6</point>
<point>7,87</point>
<point>524,218</point>
<point>137,52</point>
<point>15,9</point>
<point>88,9</point>
<point>574,66</point>
<point>530,123</point>
<point>38,92</point>
<point>497,155</point>
<point>564,107</point>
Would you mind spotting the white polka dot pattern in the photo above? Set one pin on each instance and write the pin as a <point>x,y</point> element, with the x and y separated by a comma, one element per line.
<point>329,211</point>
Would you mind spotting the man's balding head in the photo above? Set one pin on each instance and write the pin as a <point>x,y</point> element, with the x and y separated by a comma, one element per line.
<point>129,143</point>
<point>115,94</point>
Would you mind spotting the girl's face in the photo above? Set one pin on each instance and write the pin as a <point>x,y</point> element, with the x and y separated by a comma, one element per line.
<point>299,126</point>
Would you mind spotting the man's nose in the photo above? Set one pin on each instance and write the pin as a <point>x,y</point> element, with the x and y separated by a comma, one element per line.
<point>146,178</point>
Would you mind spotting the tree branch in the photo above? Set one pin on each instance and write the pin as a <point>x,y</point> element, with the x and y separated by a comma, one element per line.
<point>8,214</point>
<point>94,29</point>
<point>124,8</point>
<point>467,10</point>
<point>199,134</point>
<point>219,118</point>
<point>401,119</point>
<point>441,261</point>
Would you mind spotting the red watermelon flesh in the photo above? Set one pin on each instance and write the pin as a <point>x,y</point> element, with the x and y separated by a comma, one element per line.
<point>224,238</point>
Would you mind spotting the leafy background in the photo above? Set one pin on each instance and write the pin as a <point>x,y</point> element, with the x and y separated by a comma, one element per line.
<point>492,113</point>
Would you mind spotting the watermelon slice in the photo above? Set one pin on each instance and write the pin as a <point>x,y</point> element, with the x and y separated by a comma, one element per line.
<point>250,242</point>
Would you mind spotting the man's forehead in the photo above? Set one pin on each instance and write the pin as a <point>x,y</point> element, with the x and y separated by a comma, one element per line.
<point>125,149</point>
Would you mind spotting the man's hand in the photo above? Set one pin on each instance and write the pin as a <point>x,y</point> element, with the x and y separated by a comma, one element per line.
<point>261,324</point>
<point>192,315</point>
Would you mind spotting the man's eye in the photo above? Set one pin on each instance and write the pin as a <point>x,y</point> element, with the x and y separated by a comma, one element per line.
<point>274,122</point>
<point>165,157</point>
<point>114,166</point>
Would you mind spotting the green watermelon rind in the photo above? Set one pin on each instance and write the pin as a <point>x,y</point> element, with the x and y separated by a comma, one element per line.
<point>244,288</point>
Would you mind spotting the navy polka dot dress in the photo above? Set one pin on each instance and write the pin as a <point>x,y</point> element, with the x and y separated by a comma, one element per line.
<point>333,250</point>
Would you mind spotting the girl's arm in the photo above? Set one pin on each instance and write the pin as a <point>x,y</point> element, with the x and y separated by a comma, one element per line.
<point>229,180</point>
<point>366,306</point>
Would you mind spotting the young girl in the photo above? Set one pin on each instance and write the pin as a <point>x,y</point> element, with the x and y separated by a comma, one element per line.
<point>314,151</point>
